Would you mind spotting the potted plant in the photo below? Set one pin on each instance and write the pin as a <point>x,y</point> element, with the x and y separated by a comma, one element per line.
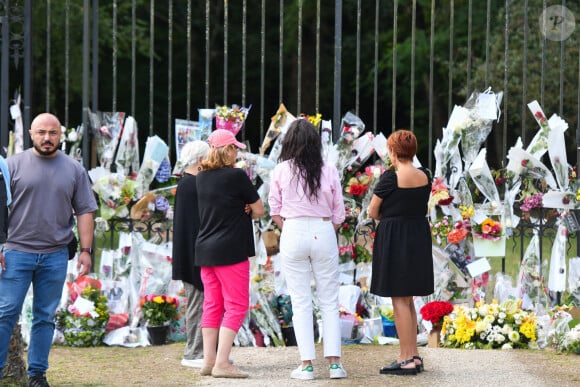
<point>158,311</point>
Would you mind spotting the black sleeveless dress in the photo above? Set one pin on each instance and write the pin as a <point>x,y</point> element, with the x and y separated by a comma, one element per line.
<point>402,258</point>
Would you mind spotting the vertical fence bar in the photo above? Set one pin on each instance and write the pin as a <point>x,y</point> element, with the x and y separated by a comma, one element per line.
<point>66,63</point>
<point>4,67</point>
<point>337,68</point>
<point>188,65</point>
<point>85,143</point>
<point>281,54</point>
<point>431,76</point>
<point>317,80</point>
<point>413,50</point>
<point>376,69</point>
<point>27,84</point>
<point>245,50</point>
<point>543,76</point>
<point>357,70</point>
<point>469,56</point>
<point>450,66</point>
<point>487,39</point>
<point>299,61</point>
<point>114,58</point>
<point>505,80</point>
<point>525,72</point>
<point>578,146</point>
<point>263,67</point>
<point>562,59</point>
<point>48,41</point>
<point>169,73</point>
<point>133,54</point>
<point>95,56</point>
<point>394,85</point>
<point>207,48</point>
<point>226,26</point>
<point>151,63</point>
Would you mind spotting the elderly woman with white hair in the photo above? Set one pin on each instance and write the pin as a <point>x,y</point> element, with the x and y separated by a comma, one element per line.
<point>185,230</point>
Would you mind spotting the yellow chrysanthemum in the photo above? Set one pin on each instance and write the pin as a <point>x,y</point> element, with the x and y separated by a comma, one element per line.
<point>158,300</point>
<point>465,329</point>
<point>528,329</point>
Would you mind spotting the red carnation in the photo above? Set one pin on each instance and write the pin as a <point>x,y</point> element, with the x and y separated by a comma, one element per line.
<point>434,311</point>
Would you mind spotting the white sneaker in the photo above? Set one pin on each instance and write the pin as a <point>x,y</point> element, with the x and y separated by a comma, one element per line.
<point>303,373</point>
<point>195,363</point>
<point>336,371</point>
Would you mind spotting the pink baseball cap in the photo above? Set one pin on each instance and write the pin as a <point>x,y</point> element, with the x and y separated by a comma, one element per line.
<point>222,137</point>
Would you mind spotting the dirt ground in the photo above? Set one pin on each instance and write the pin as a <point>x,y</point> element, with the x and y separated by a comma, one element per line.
<point>271,366</point>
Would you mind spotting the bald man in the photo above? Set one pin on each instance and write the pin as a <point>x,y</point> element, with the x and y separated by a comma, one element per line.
<point>48,189</point>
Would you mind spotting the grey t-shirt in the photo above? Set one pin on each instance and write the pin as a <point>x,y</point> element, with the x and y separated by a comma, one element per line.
<point>46,192</point>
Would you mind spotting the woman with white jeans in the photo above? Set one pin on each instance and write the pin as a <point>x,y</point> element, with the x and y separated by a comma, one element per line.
<point>307,205</point>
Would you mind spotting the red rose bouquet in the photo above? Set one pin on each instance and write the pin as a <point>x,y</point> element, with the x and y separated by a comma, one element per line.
<point>434,311</point>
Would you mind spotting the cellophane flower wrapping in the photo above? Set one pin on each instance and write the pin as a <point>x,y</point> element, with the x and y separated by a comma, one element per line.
<point>231,118</point>
<point>127,160</point>
<point>574,280</point>
<point>115,192</point>
<point>477,127</point>
<point>489,326</point>
<point>84,319</point>
<point>521,163</point>
<point>150,272</point>
<point>106,129</point>
<point>264,316</point>
<point>530,284</point>
<point>504,288</point>
<point>205,120</point>
<point>482,178</point>
<point>351,128</point>
<point>280,120</point>
<point>557,276</point>
<point>449,147</point>
<point>156,150</point>
<point>380,146</point>
<point>557,153</point>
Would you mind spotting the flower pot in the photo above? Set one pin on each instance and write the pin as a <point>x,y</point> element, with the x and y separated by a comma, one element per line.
<point>434,337</point>
<point>389,328</point>
<point>489,247</point>
<point>158,335</point>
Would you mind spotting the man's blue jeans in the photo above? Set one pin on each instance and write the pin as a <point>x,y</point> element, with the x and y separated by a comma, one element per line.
<point>47,273</point>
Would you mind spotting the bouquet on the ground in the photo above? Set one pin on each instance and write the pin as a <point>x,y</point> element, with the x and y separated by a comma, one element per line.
<point>489,326</point>
<point>84,321</point>
<point>434,311</point>
<point>351,326</point>
<point>158,310</point>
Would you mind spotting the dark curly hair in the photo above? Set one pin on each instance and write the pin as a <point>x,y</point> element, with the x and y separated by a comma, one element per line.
<point>302,145</point>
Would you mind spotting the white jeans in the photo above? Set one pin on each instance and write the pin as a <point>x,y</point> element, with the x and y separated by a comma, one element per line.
<point>310,245</point>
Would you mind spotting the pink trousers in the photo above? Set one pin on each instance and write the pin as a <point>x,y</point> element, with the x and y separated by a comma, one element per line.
<point>226,295</point>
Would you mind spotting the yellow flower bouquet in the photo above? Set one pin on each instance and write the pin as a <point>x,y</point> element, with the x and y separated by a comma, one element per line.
<point>489,326</point>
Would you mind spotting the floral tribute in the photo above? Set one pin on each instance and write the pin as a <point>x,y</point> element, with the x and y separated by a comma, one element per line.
<point>352,326</point>
<point>231,118</point>
<point>489,326</point>
<point>434,311</point>
<point>488,229</point>
<point>158,310</point>
<point>83,322</point>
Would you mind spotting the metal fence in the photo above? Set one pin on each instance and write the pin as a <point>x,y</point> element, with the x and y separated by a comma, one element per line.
<point>393,63</point>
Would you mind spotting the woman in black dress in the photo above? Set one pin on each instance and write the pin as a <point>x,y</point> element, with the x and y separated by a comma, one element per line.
<point>402,258</point>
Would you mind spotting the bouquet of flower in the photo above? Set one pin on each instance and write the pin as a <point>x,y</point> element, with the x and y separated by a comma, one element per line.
<point>361,254</point>
<point>116,192</point>
<point>441,227</point>
<point>571,340</point>
<point>231,119</point>
<point>488,229</point>
<point>439,194</point>
<point>488,326</point>
<point>434,311</point>
<point>84,321</point>
<point>158,310</point>
<point>358,185</point>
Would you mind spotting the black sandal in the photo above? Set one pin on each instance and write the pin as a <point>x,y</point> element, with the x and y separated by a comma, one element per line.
<point>419,367</point>
<point>396,368</point>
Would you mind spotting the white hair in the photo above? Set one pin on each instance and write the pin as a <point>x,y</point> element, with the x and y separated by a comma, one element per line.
<point>192,152</point>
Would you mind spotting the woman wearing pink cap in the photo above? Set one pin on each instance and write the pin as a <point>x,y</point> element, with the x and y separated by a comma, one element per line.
<point>224,243</point>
